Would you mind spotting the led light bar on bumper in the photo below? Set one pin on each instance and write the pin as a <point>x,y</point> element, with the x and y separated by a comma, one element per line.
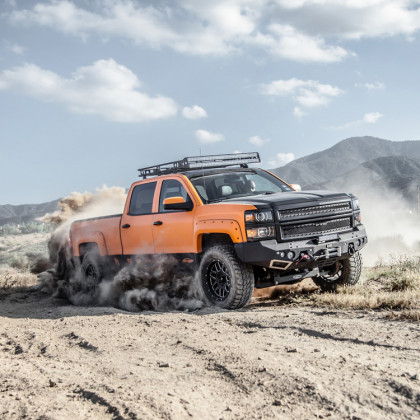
<point>259,225</point>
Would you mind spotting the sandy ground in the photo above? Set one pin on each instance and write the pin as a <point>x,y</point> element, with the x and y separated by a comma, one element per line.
<point>267,360</point>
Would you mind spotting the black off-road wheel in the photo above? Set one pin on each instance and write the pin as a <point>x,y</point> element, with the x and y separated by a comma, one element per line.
<point>346,273</point>
<point>226,281</point>
<point>91,273</point>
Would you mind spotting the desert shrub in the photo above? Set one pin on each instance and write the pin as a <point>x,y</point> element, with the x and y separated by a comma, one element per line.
<point>399,273</point>
<point>13,280</point>
<point>26,228</point>
<point>20,262</point>
<point>392,286</point>
<point>9,229</point>
<point>30,228</point>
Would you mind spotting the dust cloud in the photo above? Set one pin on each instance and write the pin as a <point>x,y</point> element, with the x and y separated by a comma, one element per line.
<point>148,283</point>
<point>105,201</point>
<point>392,223</point>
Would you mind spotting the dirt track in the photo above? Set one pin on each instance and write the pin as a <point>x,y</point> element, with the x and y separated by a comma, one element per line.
<point>265,361</point>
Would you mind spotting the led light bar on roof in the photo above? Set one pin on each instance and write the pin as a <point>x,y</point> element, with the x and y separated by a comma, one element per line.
<point>201,162</point>
<point>226,160</point>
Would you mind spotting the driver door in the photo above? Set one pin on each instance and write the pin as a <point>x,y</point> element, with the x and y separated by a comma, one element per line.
<point>173,230</point>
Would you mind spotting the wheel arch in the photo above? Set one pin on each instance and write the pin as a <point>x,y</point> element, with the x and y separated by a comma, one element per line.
<point>88,247</point>
<point>227,232</point>
<point>94,242</point>
<point>211,239</point>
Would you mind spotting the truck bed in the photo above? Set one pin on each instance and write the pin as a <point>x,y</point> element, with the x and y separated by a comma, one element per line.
<point>104,231</point>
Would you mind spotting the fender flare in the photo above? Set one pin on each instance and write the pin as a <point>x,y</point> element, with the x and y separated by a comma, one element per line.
<point>226,226</point>
<point>94,238</point>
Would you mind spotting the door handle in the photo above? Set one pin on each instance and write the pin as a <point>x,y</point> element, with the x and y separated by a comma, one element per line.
<point>158,223</point>
<point>125,226</point>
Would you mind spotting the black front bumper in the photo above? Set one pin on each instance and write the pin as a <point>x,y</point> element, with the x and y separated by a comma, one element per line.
<point>306,252</point>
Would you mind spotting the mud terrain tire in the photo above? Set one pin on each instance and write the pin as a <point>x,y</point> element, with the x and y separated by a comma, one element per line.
<point>226,282</point>
<point>91,272</point>
<point>348,275</point>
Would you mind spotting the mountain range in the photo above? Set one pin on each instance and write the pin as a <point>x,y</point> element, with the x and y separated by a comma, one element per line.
<point>25,213</point>
<point>358,164</point>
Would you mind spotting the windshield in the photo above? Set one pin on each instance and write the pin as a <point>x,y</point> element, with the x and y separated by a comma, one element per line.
<point>217,187</point>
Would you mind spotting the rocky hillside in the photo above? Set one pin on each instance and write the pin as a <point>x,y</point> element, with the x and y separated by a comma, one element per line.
<point>357,164</point>
<point>25,213</point>
<point>341,158</point>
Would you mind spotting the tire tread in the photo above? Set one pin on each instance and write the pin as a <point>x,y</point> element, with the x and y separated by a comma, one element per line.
<point>243,274</point>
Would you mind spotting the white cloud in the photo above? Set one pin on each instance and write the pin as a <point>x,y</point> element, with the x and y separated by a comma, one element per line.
<point>353,19</point>
<point>286,42</point>
<point>372,117</point>
<point>218,27</point>
<point>371,86</point>
<point>306,93</point>
<point>369,118</point>
<point>187,28</point>
<point>298,113</point>
<point>193,113</point>
<point>17,49</point>
<point>206,137</point>
<point>280,159</point>
<point>104,88</point>
<point>258,141</point>
<point>300,30</point>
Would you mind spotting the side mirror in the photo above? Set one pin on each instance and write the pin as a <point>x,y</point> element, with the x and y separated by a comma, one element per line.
<point>296,187</point>
<point>177,203</point>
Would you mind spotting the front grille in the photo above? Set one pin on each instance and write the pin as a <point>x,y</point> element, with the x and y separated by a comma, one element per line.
<point>316,228</point>
<point>323,209</point>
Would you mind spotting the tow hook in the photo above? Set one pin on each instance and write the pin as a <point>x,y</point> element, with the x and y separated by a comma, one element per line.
<point>304,257</point>
<point>351,248</point>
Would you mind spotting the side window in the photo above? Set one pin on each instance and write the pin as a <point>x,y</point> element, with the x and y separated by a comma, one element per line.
<point>142,199</point>
<point>172,188</point>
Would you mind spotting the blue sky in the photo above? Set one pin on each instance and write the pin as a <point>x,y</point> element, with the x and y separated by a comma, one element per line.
<point>92,90</point>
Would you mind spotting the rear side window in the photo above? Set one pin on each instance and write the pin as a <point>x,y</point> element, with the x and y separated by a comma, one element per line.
<point>142,199</point>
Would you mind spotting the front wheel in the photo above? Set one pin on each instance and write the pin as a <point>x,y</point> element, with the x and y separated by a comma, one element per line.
<point>226,281</point>
<point>346,273</point>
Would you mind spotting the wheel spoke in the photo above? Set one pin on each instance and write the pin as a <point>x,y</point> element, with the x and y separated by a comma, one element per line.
<point>218,278</point>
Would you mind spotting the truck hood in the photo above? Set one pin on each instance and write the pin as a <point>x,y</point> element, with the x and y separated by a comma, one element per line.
<point>291,198</point>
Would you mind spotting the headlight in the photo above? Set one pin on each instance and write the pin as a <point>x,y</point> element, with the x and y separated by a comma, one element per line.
<point>356,208</point>
<point>259,216</point>
<point>259,225</point>
<point>260,232</point>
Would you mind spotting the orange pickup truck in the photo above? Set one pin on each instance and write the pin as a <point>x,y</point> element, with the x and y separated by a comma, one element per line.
<point>240,227</point>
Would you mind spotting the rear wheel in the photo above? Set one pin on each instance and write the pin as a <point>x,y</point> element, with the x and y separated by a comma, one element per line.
<point>91,273</point>
<point>347,272</point>
<point>226,281</point>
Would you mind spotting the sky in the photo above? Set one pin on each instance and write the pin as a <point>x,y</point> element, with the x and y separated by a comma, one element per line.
<point>90,91</point>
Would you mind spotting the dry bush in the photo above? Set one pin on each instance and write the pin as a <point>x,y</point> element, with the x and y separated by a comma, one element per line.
<point>393,285</point>
<point>402,272</point>
<point>20,262</point>
<point>13,280</point>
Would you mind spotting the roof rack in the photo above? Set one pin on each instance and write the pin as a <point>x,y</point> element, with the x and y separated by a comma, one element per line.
<point>201,162</point>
